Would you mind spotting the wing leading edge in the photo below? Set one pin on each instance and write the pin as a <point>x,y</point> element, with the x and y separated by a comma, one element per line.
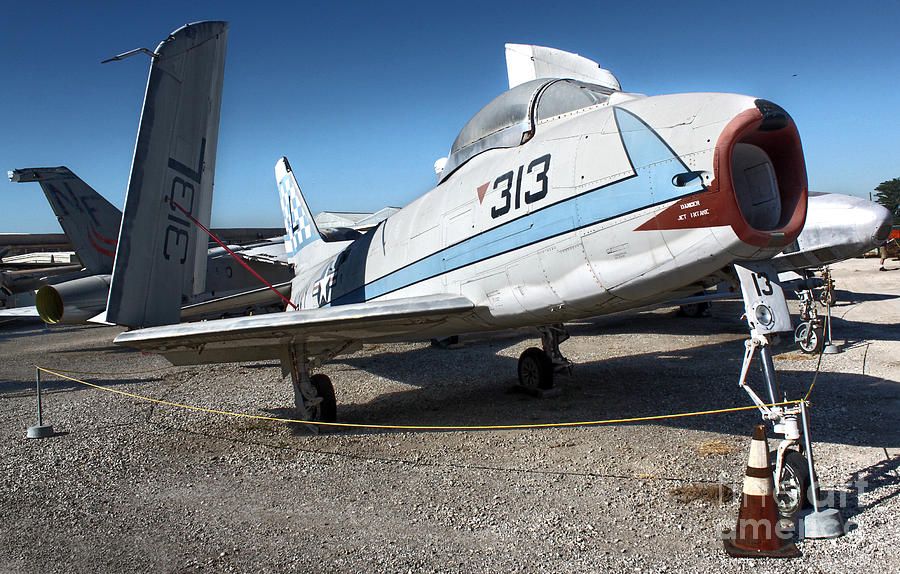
<point>265,336</point>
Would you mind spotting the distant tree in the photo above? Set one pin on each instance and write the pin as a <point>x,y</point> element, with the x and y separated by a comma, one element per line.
<point>889,196</point>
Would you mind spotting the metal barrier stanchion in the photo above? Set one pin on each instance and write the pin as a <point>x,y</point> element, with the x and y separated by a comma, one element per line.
<point>40,430</point>
<point>830,348</point>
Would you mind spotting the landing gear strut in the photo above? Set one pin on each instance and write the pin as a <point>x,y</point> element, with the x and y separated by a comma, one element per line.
<point>313,394</point>
<point>767,314</point>
<point>537,367</point>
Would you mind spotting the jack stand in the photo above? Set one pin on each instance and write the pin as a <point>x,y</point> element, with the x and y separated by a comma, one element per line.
<point>551,337</point>
<point>830,347</point>
<point>819,523</point>
<point>40,430</point>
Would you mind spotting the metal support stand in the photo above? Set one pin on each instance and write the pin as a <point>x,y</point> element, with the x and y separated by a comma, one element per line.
<point>40,430</point>
<point>830,347</point>
<point>820,523</point>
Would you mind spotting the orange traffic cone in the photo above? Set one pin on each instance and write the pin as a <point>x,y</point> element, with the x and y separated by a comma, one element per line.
<point>758,533</point>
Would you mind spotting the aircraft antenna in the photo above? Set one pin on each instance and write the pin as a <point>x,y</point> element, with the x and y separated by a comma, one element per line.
<point>130,53</point>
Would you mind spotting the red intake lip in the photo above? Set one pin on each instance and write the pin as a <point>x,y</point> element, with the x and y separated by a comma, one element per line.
<point>785,153</point>
<point>770,146</point>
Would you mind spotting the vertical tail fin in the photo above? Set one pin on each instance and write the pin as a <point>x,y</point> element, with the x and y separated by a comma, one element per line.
<point>161,255</point>
<point>87,218</point>
<point>299,225</point>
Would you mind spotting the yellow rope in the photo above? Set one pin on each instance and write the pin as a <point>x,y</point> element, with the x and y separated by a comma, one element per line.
<point>416,427</point>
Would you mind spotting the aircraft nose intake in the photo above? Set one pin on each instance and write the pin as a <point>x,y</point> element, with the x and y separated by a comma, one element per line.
<point>759,162</point>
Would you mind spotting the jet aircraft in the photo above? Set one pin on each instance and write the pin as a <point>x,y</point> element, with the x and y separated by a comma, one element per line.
<point>561,199</point>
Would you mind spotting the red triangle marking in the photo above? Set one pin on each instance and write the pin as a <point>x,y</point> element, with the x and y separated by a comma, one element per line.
<point>482,189</point>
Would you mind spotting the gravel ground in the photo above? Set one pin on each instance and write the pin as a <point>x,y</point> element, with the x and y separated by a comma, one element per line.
<point>128,485</point>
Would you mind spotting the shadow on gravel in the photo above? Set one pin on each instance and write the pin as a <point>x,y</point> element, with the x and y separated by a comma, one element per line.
<point>856,331</point>
<point>471,387</point>
<point>6,325</point>
<point>22,329</point>
<point>846,298</point>
<point>881,479</point>
<point>106,349</point>
<point>51,384</point>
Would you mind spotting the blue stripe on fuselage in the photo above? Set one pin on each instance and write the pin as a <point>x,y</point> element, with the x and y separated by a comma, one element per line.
<point>656,165</point>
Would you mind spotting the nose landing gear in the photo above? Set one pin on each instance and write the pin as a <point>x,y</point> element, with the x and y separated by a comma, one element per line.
<point>794,474</point>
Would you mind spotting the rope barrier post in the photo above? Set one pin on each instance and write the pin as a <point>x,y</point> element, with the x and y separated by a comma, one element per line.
<point>40,430</point>
<point>830,348</point>
<point>819,523</point>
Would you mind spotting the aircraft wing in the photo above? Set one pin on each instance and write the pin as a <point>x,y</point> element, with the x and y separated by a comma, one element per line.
<point>327,328</point>
<point>19,313</point>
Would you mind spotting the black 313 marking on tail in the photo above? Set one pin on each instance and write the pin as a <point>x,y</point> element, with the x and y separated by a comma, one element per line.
<point>181,191</point>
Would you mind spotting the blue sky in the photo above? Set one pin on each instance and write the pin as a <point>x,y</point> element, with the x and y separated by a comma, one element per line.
<point>362,98</point>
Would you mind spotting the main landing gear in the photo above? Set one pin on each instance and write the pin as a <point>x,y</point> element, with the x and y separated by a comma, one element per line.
<point>313,394</point>
<point>810,333</point>
<point>537,367</point>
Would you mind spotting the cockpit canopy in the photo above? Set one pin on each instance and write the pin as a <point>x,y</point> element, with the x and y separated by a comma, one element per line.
<point>509,119</point>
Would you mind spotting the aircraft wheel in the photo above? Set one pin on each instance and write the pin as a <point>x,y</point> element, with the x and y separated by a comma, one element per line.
<point>793,485</point>
<point>325,411</point>
<point>535,369</point>
<point>694,310</point>
<point>810,339</point>
<point>827,298</point>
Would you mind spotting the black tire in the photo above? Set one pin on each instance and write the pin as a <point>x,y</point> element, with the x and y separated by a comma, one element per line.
<point>326,411</point>
<point>810,339</point>
<point>793,489</point>
<point>827,298</point>
<point>535,369</point>
<point>446,342</point>
<point>694,310</point>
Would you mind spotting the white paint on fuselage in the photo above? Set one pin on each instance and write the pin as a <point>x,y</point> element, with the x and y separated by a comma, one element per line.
<point>594,266</point>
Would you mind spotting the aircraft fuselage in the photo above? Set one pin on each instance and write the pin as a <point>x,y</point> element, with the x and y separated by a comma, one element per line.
<point>604,208</point>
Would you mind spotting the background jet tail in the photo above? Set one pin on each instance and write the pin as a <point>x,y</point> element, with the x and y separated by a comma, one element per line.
<point>161,253</point>
<point>87,218</point>
<point>299,225</point>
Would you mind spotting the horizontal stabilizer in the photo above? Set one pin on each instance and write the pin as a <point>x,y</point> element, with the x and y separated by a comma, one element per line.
<point>264,296</point>
<point>264,336</point>
<point>20,313</point>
